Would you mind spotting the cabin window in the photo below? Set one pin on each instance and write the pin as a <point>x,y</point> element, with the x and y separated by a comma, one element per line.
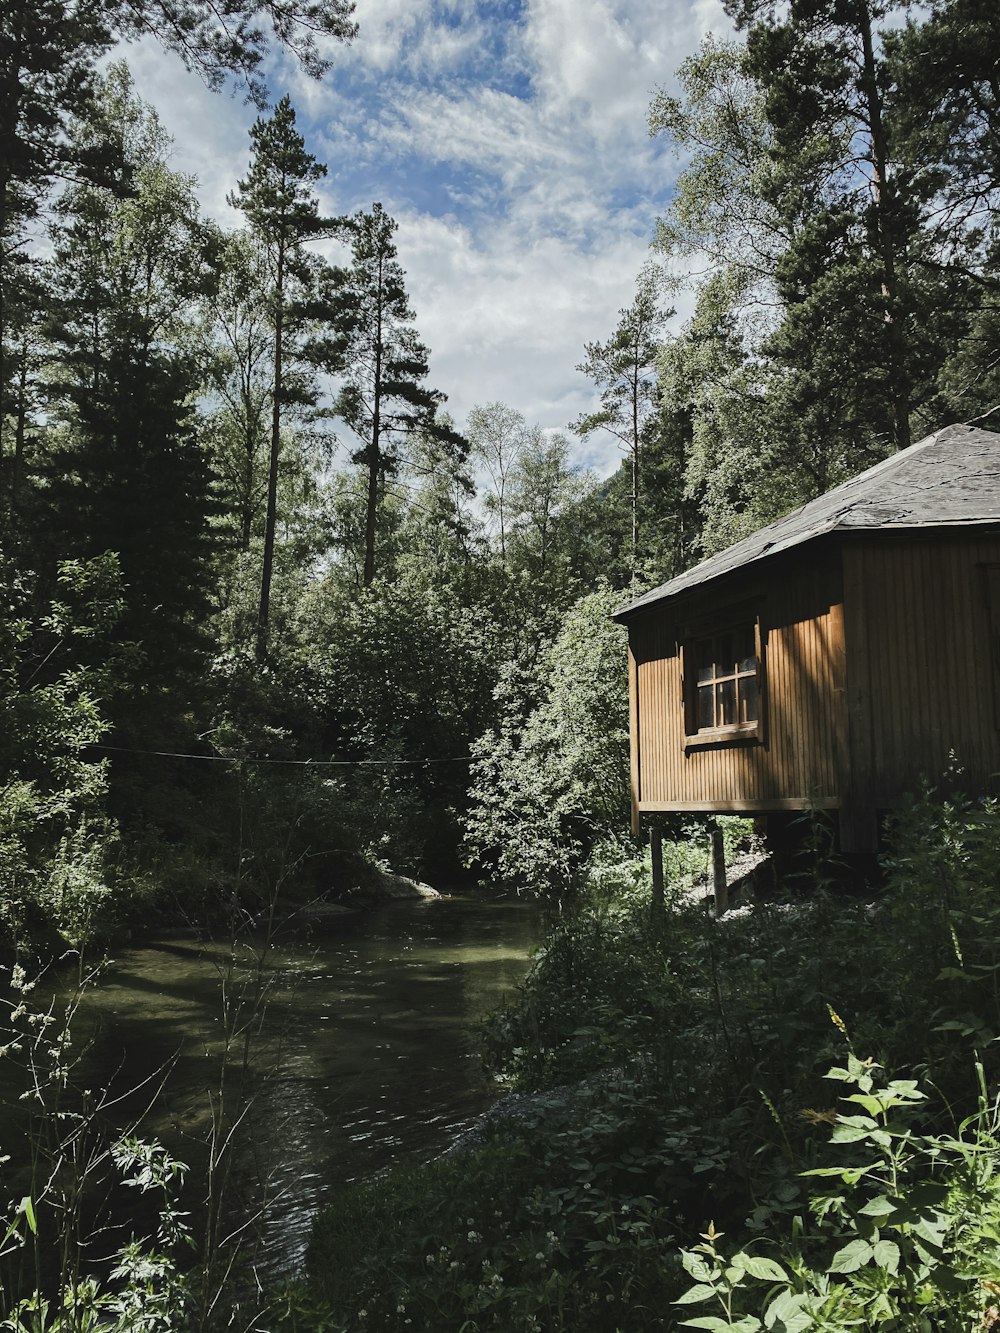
<point>723,695</point>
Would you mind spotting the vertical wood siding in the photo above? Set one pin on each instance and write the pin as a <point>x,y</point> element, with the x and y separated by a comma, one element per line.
<point>921,665</point>
<point>802,757</point>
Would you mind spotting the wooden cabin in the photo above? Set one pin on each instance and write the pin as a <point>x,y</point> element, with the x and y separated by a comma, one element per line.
<point>834,658</point>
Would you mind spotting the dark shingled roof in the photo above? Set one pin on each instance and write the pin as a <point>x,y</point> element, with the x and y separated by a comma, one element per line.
<point>951,477</point>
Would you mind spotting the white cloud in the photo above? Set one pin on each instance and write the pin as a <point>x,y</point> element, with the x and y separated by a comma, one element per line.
<point>507,322</point>
<point>512,150</point>
<point>210,130</point>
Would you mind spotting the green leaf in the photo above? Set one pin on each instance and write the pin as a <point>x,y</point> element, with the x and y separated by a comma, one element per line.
<point>765,1269</point>
<point>787,1311</point>
<point>880,1206</point>
<point>886,1254</point>
<point>849,1174</point>
<point>907,1089</point>
<point>711,1322</point>
<point>848,1134</point>
<point>851,1257</point>
<point>693,1295</point>
<point>696,1267</point>
<point>873,1105</point>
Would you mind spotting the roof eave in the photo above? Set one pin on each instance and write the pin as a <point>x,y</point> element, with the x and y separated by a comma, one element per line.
<point>638,607</point>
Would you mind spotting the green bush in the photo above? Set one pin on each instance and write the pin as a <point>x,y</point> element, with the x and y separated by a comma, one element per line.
<point>684,1069</point>
<point>905,1235</point>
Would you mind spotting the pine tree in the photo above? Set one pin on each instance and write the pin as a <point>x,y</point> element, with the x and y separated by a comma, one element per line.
<point>384,400</point>
<point>124,469</point>
<point>277,196</point>
<point>835,185</point>
<point>624,371</point>
<point>47,53</point>
<point>230,40</point>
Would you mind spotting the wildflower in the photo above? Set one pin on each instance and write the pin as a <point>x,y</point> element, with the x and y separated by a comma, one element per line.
<point>473,1237</point>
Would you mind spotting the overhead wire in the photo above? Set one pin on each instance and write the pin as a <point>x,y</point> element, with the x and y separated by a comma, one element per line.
<point>302,763</point>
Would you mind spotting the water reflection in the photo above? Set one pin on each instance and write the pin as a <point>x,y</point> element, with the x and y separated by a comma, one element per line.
<point>367,1050</point>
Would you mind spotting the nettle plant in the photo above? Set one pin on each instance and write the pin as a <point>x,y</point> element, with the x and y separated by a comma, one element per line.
<point>905,1235</point>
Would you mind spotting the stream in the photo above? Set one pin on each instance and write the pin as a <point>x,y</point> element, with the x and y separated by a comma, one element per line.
<point>366,1052</point>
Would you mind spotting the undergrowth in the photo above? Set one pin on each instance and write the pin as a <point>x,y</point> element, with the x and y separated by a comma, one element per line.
<point>680,1113</point>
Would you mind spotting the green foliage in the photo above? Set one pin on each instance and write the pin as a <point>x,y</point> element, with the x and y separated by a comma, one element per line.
<point>600,991</point>
<point>552,777</point>
<point>554,1225</point>
<point>906,1234</point>
<point>408,716</point>
<point>683,1077</point>
<point>56,842</point>
<point>68,1158</point>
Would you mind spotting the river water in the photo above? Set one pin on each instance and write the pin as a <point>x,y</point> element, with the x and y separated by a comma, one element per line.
<point>365,1052</point>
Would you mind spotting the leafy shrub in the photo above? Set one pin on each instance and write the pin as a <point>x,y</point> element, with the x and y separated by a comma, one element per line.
<point>905,1236</point>
<point>56,840</point>
<point>551,778</point>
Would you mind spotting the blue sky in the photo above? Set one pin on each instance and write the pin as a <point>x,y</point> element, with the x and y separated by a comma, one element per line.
<point>509,141</point>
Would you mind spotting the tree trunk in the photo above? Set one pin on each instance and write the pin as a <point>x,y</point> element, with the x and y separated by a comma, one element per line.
<point>885,221</point>
<point>374,449</point>
<point>371,511</point>
<point>271,516</point>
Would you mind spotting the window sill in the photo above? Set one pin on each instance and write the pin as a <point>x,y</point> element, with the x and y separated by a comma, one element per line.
<point>745,733</point>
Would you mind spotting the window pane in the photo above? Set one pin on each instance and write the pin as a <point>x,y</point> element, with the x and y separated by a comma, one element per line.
<point>722,702</point>
<point>706,715</point>
<point>727,655</point>
<point>748,651</point>
<point>706,660</point>
<point>746,648</point>
<point>725,702</point>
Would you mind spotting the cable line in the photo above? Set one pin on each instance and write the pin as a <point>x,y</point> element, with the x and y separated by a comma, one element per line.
<point>301,763</point>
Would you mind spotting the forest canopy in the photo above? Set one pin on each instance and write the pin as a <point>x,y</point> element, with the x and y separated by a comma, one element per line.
<point>239,524</point>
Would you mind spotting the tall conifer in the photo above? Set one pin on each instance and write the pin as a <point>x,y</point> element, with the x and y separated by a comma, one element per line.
<point>277,196</point>
<point>385,401</point>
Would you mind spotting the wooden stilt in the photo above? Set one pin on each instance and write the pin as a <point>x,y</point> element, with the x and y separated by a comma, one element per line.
<point>720,886</point>
<point>657,905</point>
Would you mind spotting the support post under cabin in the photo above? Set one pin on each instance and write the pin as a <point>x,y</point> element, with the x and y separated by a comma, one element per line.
<point>657,904</point>
<point>720,885</point>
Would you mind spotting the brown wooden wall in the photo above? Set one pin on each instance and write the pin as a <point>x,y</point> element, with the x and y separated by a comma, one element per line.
<point>802,759</point>
<point>922,666</point>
